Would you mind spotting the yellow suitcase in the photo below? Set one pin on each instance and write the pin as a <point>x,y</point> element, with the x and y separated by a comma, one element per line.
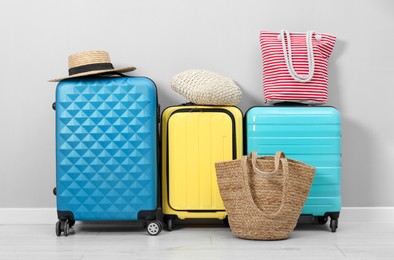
<point>193,139</point>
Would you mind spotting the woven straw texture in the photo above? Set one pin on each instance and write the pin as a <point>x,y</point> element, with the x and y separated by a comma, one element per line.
<point>88,58</point>
<point>204,87</point>
<point>264,202</point>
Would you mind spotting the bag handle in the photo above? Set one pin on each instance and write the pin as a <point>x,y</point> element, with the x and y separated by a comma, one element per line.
<point>289,59</point>
<point>278,156</point>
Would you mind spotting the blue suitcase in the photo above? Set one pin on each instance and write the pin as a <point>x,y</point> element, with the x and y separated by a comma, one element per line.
<point>106,151</point>
<point>308,134</point>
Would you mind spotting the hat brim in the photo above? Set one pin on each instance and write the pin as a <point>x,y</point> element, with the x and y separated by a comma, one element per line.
<point>95,72</point>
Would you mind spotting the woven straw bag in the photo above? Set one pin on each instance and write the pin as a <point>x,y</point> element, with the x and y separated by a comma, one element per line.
<point>264,196</point>
<point>204,87</point>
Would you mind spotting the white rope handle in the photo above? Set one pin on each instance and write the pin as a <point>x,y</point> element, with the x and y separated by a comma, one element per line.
<point>289,59</point>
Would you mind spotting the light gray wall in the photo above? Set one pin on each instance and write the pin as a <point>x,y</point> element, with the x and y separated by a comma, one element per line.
<point>162,38</point>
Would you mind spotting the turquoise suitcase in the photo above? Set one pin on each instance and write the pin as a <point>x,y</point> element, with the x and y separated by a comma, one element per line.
<point>308,134</point>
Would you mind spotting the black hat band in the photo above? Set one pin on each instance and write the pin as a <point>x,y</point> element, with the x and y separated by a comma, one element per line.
<point>90,67</point>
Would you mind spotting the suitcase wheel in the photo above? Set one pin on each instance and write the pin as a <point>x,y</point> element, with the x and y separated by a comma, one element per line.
<point>334,225</point>
<point>63,226</point>
<point>225,222</point>
<point>58,229</point>
<point>322,220</point>
<point>170,223</point>
<point>154,227</point>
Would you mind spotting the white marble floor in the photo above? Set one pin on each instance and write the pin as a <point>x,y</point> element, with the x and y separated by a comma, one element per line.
<point>194,241</point>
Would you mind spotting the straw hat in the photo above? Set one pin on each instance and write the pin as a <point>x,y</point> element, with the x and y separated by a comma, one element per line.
<point>204,87</point>
<point>90,63</point>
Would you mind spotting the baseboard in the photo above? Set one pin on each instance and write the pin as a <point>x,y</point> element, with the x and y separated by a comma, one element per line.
<point>367,214</point>
<point>28,216</point>
<point>48,215</point>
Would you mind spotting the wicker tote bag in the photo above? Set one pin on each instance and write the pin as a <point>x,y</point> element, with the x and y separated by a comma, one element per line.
<point>264,196</point>
<point>295,66</point>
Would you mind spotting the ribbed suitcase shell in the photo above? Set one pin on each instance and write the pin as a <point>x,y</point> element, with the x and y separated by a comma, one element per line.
<point>193,139</point>
<point>106,147</point>
<point>309,134</point>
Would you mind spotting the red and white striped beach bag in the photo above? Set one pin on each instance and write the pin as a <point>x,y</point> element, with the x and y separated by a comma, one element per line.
<point>295,66</point>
